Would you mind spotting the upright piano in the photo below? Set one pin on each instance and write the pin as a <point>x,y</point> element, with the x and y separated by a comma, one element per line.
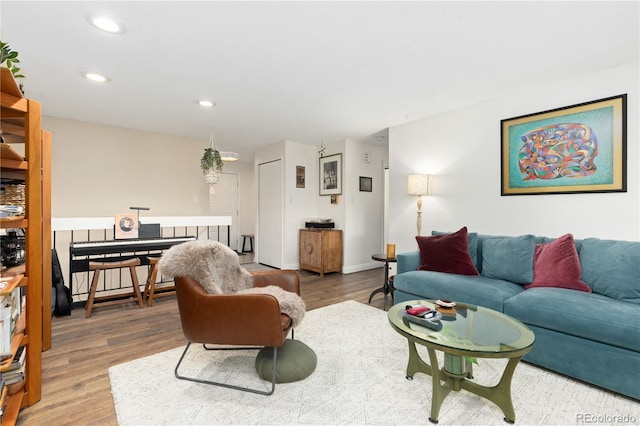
<point>81,252</point>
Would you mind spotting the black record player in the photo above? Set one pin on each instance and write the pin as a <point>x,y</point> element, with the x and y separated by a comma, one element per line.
<point>319,223</point>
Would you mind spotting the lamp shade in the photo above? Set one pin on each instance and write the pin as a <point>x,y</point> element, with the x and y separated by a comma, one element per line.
<point>418,185</point>
<point>229,156</point>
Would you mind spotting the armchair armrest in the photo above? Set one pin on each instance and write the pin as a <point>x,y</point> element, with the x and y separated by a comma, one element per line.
<point>286,279</point>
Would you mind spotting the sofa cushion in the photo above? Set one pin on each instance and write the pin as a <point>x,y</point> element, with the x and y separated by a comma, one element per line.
<point>556,264</point>
<point>509,258</point>
<point>612,268</point>
<point>472,244</point>
<point>587,315</point>
<point>476,290</point>
<point>544,240</point>
<point>446,253</point>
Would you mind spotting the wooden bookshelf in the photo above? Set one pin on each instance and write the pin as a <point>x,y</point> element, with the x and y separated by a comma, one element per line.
<point>20,122</point>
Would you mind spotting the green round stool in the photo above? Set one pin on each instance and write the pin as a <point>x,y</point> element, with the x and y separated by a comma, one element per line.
<point>295,361</point>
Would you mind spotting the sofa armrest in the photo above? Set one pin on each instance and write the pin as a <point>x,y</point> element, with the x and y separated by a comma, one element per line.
<point>408,261</point>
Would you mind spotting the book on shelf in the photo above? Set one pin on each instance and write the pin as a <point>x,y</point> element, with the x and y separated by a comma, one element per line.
<point>3,400</point>
<point>18,360</point>
<point>5,332</point>
<point>10,309</point>
<point>15,376</point>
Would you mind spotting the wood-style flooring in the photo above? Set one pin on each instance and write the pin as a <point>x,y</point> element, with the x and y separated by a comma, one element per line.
<point>75,384</point>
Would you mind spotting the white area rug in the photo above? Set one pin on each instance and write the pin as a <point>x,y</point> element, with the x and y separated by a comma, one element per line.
<point>359,380</point>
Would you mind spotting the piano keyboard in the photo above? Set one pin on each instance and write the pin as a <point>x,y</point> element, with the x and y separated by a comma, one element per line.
<point>88,248</point>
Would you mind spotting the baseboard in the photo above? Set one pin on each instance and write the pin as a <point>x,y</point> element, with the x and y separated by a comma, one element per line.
<point>361,267</point>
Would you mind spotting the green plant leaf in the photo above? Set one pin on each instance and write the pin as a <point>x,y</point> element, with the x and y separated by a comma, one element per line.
<point>471,359</point>
<point>10,57</point>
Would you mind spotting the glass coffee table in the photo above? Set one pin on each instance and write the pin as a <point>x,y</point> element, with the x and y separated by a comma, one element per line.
<point>464,332</point>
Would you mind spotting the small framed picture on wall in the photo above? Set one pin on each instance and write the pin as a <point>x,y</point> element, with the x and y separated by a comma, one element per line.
<point>366,184</point>
<point>300,177</point>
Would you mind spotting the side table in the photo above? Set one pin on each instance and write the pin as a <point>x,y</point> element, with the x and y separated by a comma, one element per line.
<point>387,288</point>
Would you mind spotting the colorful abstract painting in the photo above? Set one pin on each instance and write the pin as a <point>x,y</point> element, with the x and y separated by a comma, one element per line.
<point>580,148</point>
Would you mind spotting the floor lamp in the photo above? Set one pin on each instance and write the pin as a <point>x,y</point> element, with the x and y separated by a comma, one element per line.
<point>418,185</point>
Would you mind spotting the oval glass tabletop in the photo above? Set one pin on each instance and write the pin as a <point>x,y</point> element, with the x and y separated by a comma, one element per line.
<point>465,327</point>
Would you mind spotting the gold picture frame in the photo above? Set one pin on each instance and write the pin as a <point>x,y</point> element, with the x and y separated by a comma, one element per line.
<point>574,149</point>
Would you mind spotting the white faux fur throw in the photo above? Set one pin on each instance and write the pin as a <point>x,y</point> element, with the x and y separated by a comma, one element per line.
<point>214,265</point>
<point>217,268</point>
<point>290,303</point>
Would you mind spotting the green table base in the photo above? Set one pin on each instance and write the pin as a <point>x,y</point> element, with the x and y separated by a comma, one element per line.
<point>445,381</point>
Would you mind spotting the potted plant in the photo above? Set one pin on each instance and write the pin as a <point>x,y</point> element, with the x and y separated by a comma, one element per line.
<point>211,164</point>
<point>9,58</point>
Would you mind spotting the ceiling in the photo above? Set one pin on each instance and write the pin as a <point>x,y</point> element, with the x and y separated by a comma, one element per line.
<point>308,72</point>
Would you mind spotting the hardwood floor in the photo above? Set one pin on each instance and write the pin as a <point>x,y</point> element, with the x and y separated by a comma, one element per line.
<point>75,383</point>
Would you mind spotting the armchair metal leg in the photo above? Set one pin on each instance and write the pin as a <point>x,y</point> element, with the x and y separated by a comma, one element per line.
<point>208,382</point>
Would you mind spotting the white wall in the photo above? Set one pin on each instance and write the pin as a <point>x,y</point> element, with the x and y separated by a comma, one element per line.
<point>300,203</point>
<point>364,211</point>
<point>102,170</point>
<point>358,214</point>
<point>461,149</point>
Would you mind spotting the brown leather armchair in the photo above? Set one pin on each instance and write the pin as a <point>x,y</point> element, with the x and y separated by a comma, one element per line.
<point>235,319</point>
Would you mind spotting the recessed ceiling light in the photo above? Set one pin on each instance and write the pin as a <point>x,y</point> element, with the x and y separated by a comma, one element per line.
<point>107,24</point>
<point>206,104</point>
<point>93,76</point>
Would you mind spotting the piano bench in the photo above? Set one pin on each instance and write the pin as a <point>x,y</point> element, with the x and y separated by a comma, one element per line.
<point>94,302</point>
<point>150,285</point>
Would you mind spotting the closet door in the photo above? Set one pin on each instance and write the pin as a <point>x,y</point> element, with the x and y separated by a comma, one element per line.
<point>269,239</point>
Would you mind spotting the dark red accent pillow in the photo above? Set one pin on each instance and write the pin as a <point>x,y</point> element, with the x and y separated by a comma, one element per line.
<point>556,264</point>
<point>446,253</point>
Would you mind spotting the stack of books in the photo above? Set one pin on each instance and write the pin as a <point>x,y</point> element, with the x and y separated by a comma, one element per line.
<point>15,372</point>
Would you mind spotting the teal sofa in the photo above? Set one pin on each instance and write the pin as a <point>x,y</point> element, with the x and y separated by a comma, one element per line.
<point>591,336</point>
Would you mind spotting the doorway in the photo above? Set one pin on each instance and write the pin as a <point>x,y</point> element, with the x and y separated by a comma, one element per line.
<point>223,201</point>
<point>270,214</point>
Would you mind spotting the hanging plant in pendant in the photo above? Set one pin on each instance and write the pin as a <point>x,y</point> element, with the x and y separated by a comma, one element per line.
<point>211,163</point>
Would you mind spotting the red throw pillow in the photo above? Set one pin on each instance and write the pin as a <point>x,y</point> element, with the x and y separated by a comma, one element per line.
<point>446,253</point>
<point>556,264</point>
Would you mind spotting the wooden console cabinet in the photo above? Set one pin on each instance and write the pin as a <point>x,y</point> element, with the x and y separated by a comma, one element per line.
<point>321,250</point>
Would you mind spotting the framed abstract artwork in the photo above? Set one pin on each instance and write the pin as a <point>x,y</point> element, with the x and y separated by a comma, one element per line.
<point>574,149</point>
<point>331,175</point>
